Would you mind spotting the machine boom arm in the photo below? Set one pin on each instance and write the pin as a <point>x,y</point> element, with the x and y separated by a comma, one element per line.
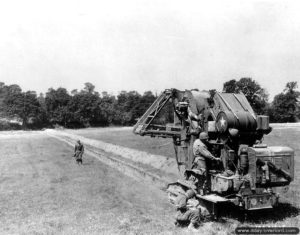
<point>144,125</point>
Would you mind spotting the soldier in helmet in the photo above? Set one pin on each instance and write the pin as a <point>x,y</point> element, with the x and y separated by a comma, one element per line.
<point>192,120</point>
<point>187,211</point>
<point>243,161</point>
<point>79,149</point>
<point>202,156</point>
<point>243,168</point>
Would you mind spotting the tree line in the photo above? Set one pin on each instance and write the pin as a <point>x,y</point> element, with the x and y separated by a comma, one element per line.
<point>285,106</point>
<point>87,107</point>
<point>58,107</point>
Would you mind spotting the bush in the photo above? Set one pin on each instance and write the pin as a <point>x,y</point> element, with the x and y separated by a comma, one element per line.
<point>5,126</point>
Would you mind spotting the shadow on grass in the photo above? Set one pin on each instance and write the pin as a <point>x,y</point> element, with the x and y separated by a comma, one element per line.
<point>281,212</point>
<point>278,213</point>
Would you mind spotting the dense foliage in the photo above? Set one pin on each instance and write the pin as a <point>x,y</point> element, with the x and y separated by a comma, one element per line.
<point>23,106</point>
<point>285,106</point>
<point>84,108</point>
<point>255,94</point>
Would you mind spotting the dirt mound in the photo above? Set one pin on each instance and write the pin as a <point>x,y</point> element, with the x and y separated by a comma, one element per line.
<point>20,134</point>
<point>43,191</point>
<point>162,163</point>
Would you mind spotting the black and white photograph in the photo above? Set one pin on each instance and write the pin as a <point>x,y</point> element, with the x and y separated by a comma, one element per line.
<point>149,117</point>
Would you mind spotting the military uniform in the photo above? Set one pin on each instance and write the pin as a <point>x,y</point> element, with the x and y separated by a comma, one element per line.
<point>191,119</point>
<point>79,149</point>
<point>201,154</point>
<point>186,215</point>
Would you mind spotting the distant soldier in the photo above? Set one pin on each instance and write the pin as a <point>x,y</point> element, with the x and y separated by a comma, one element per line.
<point>202,155</point>
<point>79,149</point>
<point>187,211</point>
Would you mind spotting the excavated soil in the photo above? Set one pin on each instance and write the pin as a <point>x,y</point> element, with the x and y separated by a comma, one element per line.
<point>43,191</point>
<point>164,167</point>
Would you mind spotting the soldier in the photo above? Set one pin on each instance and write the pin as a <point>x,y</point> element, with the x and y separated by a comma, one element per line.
<point>187,211</point>
<point>79,149</point>
<point>243,162</point>
<point>202,155</point>
<point>192,120</point>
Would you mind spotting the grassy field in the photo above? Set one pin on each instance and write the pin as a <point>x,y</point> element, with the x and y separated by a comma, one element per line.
<point>43,191</point>
<point>290,137</point>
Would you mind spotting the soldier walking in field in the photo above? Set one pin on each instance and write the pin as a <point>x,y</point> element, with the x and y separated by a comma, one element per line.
<point>79,150</point>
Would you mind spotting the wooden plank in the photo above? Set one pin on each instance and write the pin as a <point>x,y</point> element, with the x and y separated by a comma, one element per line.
<point>212,198</point>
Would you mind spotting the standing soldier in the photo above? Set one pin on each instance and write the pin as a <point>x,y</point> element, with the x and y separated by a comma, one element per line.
<point>202,154</point>
<point>184,110</point>
<point>79,149</point>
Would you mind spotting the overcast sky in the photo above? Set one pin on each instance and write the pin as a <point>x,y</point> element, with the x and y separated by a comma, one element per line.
<point>148,45</point>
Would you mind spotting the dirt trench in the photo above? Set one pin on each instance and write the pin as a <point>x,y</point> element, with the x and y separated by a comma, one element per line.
<point>157,169</point>
<point>43,191</point>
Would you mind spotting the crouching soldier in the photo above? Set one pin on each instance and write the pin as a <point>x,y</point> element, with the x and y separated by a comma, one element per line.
<point>79,149</point>
<point>187,211</point>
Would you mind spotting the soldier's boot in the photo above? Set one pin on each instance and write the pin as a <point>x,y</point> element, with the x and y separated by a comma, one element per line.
<point>192,227</point>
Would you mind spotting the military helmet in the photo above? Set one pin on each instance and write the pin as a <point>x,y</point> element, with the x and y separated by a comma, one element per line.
<point>78,141</point>
<point>185,98</point>
<point>190,193</point>
<point>203,136</point>
<point>244,150</point>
